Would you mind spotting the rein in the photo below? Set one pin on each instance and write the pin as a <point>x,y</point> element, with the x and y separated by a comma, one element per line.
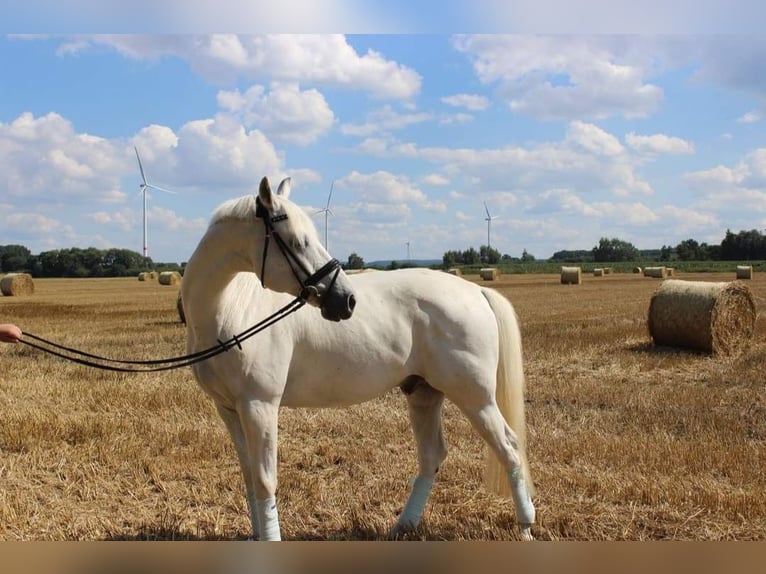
<point>308,289</point>
<point>109,364</point>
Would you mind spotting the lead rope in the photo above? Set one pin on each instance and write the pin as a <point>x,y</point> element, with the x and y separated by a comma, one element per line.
<point>109,364</point>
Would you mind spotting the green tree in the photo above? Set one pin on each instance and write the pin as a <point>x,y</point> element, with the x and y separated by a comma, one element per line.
<point>489,255</point>
<point>354,262</point>
<point>527,257</point>
<point>689,250</point>
<point>614,250</point>
<point>14,258</point>
<point>471,256</point>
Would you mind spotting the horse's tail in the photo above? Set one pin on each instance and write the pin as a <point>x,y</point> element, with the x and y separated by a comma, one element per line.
<point>509,392</point>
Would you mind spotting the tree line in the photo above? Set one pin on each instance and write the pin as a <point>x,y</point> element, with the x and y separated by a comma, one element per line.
<point>77,262</point>
<point>485,254</point>
<point>91,262</point>
<point>741,246</point>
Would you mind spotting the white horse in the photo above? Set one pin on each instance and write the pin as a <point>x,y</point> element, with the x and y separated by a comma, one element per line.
<point>432,334</point>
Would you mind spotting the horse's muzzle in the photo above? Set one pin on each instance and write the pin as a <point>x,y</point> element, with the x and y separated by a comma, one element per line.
<point>339,307</point>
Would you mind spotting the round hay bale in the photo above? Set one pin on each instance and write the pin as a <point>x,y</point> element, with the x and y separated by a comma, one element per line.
<point>670,271</point>
<point>744,271</point>
<point>656,272</point>
<point>488,273</point>
<point>144,276</point>
<point>571,275</point>
<point>455,271</point>
<point>637,270</point>
<point>607,270</point>
<point>170,278</point>
<point>717,318</point>
<point>180,308</point>
<point>153,275</point>
<point>598,272</point>
<point>17,284</point>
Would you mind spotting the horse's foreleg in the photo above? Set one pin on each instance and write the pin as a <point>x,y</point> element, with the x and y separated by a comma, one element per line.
<point>425,410</point>
<point>259,423</point>
<point>231,420</point>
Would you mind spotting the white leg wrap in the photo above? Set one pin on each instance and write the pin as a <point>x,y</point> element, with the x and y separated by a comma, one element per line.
<point>268,519</point>
<point>525,510</point>
<point>416,503</point>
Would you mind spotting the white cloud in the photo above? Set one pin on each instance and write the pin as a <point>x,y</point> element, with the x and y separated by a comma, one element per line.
<point>683,218</point>
<point>748,173</point>
<point>659,144</point>
<point>749,118</point>
<point>594,139</point>
<point>435,179</point>
<point>455,119</point>
<point>382,187</point>
<point>125,219</point>
<point>219,153</point>
<point>285,112</point>
<point>588,159</point>
<point>382,120</point>
<point>45,157</point>
<point>320,59</point>
<point>473,102</point>
<point>564,76</point>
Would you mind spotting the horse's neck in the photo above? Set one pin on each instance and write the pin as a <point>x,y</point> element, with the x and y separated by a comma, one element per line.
<point>226,250</point>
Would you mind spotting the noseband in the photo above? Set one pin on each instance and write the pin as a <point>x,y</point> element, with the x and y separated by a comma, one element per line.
<point>310,280</point>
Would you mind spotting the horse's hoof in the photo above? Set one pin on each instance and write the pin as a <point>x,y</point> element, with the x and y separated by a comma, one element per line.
<point>526,532</point>
<point>399,529</point>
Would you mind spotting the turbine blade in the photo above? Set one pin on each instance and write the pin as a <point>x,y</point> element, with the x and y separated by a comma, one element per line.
<point>161,189</point>
<point>487,210</point>
<point>329,197</point>
<point>140,167</point>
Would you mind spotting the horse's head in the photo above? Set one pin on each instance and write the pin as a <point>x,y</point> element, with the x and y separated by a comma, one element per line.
<point>300,266</point>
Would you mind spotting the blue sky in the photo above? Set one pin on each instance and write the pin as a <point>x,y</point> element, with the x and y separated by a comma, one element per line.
<point>567,138</point>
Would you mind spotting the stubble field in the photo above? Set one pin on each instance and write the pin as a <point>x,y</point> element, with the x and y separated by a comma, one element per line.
<point>626,441</point>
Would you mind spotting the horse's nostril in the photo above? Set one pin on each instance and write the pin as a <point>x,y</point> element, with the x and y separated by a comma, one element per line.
<point>351,302</point>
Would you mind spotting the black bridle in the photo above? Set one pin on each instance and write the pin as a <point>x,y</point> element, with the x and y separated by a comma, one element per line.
<point>310,280</point>
<point>308,289</point>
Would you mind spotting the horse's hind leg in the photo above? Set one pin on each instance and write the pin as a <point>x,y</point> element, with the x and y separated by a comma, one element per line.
<point>487,419</point>
<point>231,420</point>
<point>425,410</point>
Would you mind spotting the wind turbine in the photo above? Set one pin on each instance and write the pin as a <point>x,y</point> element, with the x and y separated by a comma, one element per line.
<point>143,186</point>
<point>488,219</point>
<point>327,211</point>
<point>408,250</point>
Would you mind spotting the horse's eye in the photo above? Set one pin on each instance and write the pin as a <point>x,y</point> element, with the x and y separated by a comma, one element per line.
<point>300,244</point>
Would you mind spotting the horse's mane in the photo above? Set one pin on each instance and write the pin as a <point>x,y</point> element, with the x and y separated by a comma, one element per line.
<point>239,208</point>
<point>244,208</point>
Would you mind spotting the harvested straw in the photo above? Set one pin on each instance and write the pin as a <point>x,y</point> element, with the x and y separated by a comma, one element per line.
<point>717,318</point>
<point>489,273</point>
<point>656,272</point>
<point>455,271</point>
<point>571,275</point>
<point>180,308</point>
<point>170,278</point>
<point>637,270</point>
<point>744,271</point>
<point>147,275</point>
<point>17,284</point>
<point>598,272</point>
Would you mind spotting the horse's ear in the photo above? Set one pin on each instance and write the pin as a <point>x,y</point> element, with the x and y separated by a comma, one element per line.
<point>284,188</point>
<point>264,193</point>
